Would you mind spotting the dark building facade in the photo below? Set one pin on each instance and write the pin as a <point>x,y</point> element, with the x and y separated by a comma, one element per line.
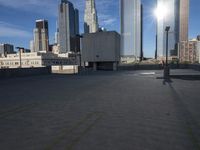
<point>68,27</point>
<point>6,49</point>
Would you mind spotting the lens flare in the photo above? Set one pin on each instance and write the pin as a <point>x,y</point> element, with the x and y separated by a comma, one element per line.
<point>161,11</point>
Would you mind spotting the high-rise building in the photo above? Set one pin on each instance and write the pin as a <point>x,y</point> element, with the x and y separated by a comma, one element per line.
<point>76,21</point>
<point>6,49</point>
<point>184,19</point>
<point>41,36</point>
<point>177,19</point>
<point>68,27</point>
<point>90,18</point>
<point>131,30</point>
<point>36,40</point>
<point>189,51</point>
<point>32,49</point>
<point>56,38</point>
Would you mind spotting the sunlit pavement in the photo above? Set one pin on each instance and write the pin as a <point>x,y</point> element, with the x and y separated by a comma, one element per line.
<point>126,110</point>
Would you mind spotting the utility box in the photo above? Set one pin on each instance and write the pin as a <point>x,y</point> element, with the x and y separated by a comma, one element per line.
<point>101,50</point>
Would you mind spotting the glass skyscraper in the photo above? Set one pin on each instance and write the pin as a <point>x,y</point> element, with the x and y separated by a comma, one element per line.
<point>177,19</point>
<point>131,29</point>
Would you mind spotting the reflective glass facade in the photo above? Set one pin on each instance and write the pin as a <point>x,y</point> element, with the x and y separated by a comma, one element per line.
<point>177,19</point>
<point>131,28</point>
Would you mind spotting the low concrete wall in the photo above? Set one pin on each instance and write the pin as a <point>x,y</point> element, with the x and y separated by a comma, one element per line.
<point>159,67</point>
<point>195,67</point>
<point>23,72</point>
<point>140,67</point>
<point>65,69</point>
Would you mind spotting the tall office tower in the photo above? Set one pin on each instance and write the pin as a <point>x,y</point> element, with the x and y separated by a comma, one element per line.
<point>177,19</point>
<point>32,49</point>
<point>6,49</point>
<point>184,20</point>
<point>76,21</point>
<point>56,39</point>
<point>68,27</point>
<point>41,36</point>
<point>131,30</point>
<point>90,17</point>
<point>36,40</point>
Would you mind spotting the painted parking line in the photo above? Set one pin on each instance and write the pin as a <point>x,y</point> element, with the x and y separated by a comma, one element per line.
<point>148,73</point>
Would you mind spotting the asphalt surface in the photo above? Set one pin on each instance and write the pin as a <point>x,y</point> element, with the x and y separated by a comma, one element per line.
<point>127,110</point>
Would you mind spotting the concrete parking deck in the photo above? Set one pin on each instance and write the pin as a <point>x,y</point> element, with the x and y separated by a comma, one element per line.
<point>126,110</point>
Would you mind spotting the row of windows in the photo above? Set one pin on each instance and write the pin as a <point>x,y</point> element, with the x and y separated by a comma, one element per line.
<point>18,63</point>
<point>45,62</point>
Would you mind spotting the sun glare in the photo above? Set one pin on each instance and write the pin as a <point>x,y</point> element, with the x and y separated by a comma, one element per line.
<point>161,11</point>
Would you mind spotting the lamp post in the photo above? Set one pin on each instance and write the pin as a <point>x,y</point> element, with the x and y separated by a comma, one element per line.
<point>166,68</point>
<point>20,49</point>
<point>77,48</point>
<point>161,12</point>
<point>78,43</point>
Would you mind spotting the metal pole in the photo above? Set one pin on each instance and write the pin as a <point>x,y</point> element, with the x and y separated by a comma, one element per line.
<point>20,58</point>
<point>20,55</point>
<point>167,41</point>
<point>166,69</point>
<point>75,54</point>
<point>156,52</point>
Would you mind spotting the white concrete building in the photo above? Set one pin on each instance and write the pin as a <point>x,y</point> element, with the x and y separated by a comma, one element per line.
<point>35,59</point>
<point>90,17</point>
<point>101,50</point>
<point>189,51</point>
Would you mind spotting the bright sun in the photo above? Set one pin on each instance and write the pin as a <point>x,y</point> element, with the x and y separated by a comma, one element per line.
<point>161,11</point>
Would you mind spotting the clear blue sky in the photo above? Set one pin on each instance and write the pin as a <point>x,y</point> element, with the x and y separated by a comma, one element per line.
<point>17,19</point>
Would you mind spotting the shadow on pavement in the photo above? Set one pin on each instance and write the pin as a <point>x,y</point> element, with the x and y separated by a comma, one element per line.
<point>185,77</point>
<point>191,124</point>
<point>181,77</point>
<point>167,81</point>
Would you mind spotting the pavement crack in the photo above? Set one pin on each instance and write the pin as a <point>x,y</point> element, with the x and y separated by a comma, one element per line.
<point>17,110</point>
<point>76,132</point>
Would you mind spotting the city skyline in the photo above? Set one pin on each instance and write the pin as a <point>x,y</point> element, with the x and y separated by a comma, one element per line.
<point>20,34</point>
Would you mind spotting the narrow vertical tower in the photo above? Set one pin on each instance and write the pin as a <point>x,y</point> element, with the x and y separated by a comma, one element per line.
<point>131,30</point>
<point>56,34</point>
<point>90,18</point>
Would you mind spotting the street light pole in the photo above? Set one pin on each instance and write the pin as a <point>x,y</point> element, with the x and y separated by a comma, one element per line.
<point>167,41</point>
<point>20,55</point>
<point>167,69</point>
